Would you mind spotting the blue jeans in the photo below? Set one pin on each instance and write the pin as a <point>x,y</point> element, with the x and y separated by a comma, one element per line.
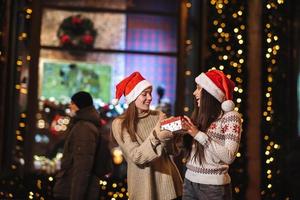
<point>198,191</point>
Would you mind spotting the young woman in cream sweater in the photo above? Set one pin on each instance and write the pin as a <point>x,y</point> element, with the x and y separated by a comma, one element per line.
<point>151,174</point>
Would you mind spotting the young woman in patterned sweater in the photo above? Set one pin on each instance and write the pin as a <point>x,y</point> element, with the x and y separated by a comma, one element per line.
<point>215,130</point>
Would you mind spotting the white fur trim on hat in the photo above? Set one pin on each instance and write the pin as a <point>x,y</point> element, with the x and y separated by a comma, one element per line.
<point>227,105</point>
<point>137,90</point>
<point>210,87</point>
<point>114,102</point>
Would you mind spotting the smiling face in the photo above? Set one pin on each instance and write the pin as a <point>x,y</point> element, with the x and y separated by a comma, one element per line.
<point>143,101</point>
<point>197,94</point>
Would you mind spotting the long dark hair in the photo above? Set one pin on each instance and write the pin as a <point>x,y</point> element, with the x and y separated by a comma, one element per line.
<point>202,117</point>
<point>129,123</point>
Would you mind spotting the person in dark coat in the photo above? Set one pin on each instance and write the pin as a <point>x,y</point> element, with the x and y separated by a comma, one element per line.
<point>76,180</point>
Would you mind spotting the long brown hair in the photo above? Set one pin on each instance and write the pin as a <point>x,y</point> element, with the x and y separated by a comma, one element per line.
<point>129,123</point>
<point>202,117</point>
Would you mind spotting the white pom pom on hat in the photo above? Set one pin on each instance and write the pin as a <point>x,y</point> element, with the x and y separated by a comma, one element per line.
<point>227,105</point>
<point>219,86</point>
<point>131,87</point>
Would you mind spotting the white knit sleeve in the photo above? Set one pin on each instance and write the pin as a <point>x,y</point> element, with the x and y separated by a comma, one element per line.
<point>138,153</point>
<point>231,127</point>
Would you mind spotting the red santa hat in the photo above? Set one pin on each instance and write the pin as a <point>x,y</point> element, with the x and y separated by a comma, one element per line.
<point>131,87</point>
<point>219,86</point>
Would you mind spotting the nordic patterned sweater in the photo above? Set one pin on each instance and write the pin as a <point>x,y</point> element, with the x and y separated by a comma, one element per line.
<point>151,174</point>
<point>221,144</point>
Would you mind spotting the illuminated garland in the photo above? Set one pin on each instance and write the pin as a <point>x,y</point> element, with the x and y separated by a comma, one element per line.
<point>11,186</point>
<point>227,29</point>
<point>272,111</point>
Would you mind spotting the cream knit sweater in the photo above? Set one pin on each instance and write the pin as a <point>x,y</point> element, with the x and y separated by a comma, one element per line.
<point>151,174</point>
<point>221,143</point>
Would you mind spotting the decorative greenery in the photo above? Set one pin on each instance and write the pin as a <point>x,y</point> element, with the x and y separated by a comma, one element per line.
<point>77,31</point>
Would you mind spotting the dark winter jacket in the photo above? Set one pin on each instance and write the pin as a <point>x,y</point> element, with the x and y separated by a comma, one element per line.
<point>76,180</point>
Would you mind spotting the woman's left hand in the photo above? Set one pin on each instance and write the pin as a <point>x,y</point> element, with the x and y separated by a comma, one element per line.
<point>189,126</point>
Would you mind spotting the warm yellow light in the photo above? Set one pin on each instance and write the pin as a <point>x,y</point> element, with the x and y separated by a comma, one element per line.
<point>268,6</point>
<point>273,61</point>
<point>265,113</point>
<point>19,62</point>
<point>188,42</point>
<point>267,153</point>
<point>188,72</point>
<point>221,67</point>
<point>268,94</point>
<point>117,156</point>
<point>240,90</point>
<point>238,100</point>
<point>270,79</point>
<point>186,109</point>
<point>20,138</point>
<point>236,189</point>
<point>228,48</point>
<point>29,11</point>
<point>220,5</point>
<point>241,41</point>
<point>277,47</point>
<point>234,15</point>
<point>239,36</point>
<point>270,186</point>
<point>22,125</point>
<point>220,30</point>
<point>280,1</point>
<point>188,5</point>
<point>269,176</point>
<point>215,22</point>
<point>50,178</point>
<point>238,154</point>
<point>268,26</point>
<point>213,46</point>
<point>240,13</point>
<point>236,30</point>
<point>266,137</point>
<point>269,171</point>
<point>225,57</point>
<point>241,60</point>
<point>243,27</point>
<point>236,89</point>
<point>275,37</point>
<point>268,119</point>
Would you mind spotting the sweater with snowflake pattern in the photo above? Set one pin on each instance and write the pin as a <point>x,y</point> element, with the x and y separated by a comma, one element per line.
<point>221,144</point>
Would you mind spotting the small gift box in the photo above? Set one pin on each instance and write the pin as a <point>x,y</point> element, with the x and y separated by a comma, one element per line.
<point>172,124</point>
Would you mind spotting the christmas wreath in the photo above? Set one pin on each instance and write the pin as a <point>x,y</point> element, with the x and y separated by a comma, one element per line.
<point>76,31</point>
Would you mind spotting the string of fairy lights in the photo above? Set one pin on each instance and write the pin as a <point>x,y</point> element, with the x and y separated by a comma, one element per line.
<point>227,40</point>
<point>271,142</point>
<point>21,64</point>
